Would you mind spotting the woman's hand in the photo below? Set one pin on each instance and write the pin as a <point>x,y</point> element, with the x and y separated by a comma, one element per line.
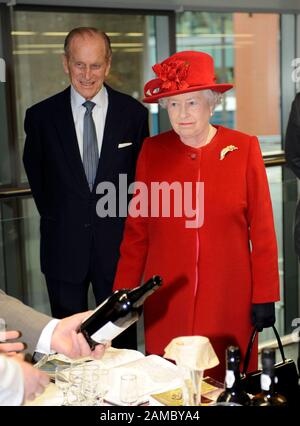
<point>263,315</point>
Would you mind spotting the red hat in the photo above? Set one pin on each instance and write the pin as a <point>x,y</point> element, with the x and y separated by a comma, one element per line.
<point>183,72</point>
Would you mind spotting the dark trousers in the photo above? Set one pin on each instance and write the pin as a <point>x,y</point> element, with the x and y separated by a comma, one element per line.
<point>70,298</point>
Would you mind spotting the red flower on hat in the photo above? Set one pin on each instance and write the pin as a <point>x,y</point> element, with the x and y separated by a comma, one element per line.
<point>172,75</point>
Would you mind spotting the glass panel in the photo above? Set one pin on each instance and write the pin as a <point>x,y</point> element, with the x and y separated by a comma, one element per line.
<point>38,44</point>
<point>19,250</point>
<point>2,267</point>
<point>244,57</point>
<point>5,169</point>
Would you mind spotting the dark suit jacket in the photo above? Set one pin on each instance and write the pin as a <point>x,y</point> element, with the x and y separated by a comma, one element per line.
<point>292,138</point>
<point>56,175</point>
<point>292,155</point>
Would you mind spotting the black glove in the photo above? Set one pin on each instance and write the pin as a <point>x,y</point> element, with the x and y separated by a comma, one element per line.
<point>263,315</point>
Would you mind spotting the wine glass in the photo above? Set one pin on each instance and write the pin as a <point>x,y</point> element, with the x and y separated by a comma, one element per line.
<point>90,384</point>
<point>191,385</point>
<point>103,384</point>
<point>129,389</point>
<point>77,379</point>
<point>62,381</point>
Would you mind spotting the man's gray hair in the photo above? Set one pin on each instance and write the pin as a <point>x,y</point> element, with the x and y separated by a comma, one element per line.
<point>91,31</point>
<point>214,98</point>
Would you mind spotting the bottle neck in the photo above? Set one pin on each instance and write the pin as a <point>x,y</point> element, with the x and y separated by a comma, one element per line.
<point>268,382</point>
<point>232,379</point>
<point>268,378</point>
<point>138,295</point>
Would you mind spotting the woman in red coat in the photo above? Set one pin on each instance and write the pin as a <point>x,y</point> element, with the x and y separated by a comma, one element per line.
<point>219,269</point>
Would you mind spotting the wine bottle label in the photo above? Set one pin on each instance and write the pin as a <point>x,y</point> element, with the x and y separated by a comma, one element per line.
<point>229,378</point>
<point>265,382</point>
<point>108,332</point>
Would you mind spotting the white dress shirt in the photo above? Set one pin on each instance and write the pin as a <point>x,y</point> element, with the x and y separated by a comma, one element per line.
<point>44,343</point>
<point>99,115</point>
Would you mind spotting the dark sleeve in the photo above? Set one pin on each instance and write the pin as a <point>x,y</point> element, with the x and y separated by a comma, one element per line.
<point>292,139</point>
<point>297,230</point>
<point>33,159</point>
<point>142,130</point>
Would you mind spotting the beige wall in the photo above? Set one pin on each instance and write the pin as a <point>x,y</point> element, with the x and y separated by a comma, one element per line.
<point>256,73</point>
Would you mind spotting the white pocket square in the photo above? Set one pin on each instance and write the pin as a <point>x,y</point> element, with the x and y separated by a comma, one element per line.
<point>123,145</point>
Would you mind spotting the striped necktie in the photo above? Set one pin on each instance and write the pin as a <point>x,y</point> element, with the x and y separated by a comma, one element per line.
<point>90,145</point>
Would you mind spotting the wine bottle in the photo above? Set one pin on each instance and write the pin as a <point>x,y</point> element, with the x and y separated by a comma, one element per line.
<point>268,395</point>
<point>233,393</point>
<point>117,313</point>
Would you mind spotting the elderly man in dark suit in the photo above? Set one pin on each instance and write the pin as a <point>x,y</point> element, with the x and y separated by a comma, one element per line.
<point>86,135</point>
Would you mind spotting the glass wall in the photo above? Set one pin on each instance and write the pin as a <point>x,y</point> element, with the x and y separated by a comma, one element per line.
<point>277,190</point>
<point>5,169</point>
<point>20,272</point>
<point>245,57</point>
<point>38,39</point>
<point>252,63</point>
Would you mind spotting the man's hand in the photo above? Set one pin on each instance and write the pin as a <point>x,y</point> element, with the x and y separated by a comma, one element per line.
<point>35,381</point>
<point>10,348</point>
<point>67,341</point>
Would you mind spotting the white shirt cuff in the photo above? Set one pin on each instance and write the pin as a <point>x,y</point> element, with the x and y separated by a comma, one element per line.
<point>44,343</point>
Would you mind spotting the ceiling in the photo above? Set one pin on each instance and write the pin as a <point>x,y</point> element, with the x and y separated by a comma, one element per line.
<point>177,5</point>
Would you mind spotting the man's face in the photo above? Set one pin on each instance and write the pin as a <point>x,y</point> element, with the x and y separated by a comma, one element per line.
<point>86,64</point>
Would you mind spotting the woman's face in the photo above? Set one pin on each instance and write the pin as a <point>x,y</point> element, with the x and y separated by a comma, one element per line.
<point>189,114</point>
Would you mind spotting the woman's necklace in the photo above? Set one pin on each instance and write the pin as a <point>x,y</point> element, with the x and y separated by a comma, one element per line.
<point>209,135</point>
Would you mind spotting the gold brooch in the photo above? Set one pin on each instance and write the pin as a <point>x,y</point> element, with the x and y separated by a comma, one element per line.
<point>226,150</point>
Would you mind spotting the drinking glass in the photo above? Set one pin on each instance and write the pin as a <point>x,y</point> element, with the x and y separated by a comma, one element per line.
<point>191,386</point>
<point>90,384</point>
<point>76,378</point>
<point>62,381</point>
<point>129,389</point>
<point>103,384</point>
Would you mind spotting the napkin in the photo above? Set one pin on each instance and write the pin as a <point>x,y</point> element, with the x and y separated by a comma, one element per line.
<point>194,352</point>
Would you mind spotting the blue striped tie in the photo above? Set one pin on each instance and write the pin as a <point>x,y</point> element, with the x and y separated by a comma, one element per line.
<point>90,145</point>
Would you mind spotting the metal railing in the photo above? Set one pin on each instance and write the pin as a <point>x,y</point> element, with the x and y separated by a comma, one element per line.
<point>270,160</point>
